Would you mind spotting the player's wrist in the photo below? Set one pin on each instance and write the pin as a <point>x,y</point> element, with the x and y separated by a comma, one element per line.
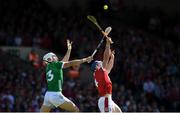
<point>84,60</point>
<point>108,45</point>
<point>108,42</point>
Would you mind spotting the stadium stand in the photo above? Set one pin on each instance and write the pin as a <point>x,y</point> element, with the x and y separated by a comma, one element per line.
<point>145,75</point>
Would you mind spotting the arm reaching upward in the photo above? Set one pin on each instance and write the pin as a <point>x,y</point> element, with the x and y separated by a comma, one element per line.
<point>77,62</point>
<point>68,53</point>
<point>107,52</point>
<point>110,63</point>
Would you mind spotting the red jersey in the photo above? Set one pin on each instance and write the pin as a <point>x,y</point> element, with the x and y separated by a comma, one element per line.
<point>102,82</point>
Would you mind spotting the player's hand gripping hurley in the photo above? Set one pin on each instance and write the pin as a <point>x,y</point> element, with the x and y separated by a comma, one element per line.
<point>107,31</point>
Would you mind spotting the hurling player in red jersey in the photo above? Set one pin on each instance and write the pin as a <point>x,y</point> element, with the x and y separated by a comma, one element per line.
<point>102,81</point>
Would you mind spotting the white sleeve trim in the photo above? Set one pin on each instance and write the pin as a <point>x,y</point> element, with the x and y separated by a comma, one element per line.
<point>62,65</point>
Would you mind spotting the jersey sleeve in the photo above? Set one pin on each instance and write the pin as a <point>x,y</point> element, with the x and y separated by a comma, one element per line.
<point>60,64</point>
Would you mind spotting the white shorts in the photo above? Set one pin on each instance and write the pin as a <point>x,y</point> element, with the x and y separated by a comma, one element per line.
<point>52,99</point>
<point>106,104</point>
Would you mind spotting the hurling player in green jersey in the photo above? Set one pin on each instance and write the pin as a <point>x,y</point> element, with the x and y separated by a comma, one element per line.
<point>54,76</point>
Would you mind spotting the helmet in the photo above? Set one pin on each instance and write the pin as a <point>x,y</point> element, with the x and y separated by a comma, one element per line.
<point>95,63</point>
<point>50,57</point>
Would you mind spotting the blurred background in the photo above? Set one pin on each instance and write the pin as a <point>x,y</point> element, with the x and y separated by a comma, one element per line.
<point>147,61</point>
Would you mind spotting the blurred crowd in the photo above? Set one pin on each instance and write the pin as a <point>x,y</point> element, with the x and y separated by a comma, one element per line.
<point>145,75</point>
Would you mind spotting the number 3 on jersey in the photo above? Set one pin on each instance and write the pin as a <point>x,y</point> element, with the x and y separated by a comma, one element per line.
<point>50,75</point>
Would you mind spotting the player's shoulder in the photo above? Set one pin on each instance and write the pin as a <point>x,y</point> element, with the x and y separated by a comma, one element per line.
<point>56,63</point>
<point>61,62</point>
<point>104,69</point>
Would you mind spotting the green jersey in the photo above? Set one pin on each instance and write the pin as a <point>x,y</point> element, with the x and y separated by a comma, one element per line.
<point>54,76</point>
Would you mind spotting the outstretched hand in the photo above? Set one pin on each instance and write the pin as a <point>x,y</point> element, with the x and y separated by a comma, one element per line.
<point>69,44</point>
<point>89,59</point>
<point>107,38</point>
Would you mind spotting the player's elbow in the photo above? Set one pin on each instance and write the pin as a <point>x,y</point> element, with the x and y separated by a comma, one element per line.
<point>66,65</point>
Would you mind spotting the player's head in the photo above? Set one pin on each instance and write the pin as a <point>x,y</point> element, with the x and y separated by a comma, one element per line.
<point>50,57</point>
<point>96,65</point>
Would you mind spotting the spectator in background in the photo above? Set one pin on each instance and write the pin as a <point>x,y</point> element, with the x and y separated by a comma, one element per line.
<point>74,71</point>
<point>36,40</point>
<point>138,51</point>
<point>34,59</point>
<point>18,40</point>
<point>46,41</point>
<point>149,86</point>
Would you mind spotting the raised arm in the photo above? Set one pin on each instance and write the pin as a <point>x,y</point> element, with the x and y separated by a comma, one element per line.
<point>107,52</point>
<point>110,63</point>
<point>77,62</point>
<point>68,53</point>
